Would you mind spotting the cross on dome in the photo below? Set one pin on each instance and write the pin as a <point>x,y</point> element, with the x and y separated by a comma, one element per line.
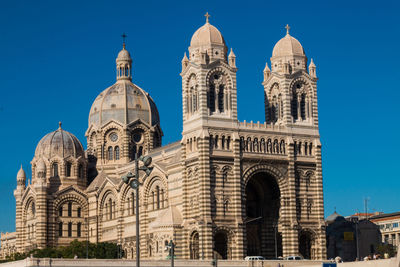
<point>207,17</point>
<point>287,28</point>
<point>123,39</point>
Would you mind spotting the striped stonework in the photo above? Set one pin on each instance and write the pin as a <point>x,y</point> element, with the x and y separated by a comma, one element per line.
<point>227,189</point>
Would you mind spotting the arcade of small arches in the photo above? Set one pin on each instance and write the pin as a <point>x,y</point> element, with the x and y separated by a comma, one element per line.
<point>220,142</point>
<point>263,145</point>
<point>123,70</point>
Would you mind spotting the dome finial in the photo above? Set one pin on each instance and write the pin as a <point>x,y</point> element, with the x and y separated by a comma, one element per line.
<point>123,39</point>
<point>207,17</point>
<point>287,29</point>
<point>59,125</point>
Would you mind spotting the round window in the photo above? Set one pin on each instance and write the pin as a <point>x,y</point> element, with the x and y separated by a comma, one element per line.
<point>113,137</point>
<point>137,136</point>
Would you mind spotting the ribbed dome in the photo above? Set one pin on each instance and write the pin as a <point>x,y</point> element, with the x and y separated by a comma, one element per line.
<point>123,102</point>
<point>207,34</point>
<point>124,55</point>
<point>59,143</point>
<point>288,46</point>
<point>21,174</point>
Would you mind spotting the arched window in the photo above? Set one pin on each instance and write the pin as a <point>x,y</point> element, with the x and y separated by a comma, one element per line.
<point>60,211</point>
<point>303,106</point>
<point>110,153</point>
<point>78,229</point>
<point>211,98</point>
<point>68,167</point>
<point>294,106</point>
<point>110,209</point>
<point>152,193</point>
<point>158,197</point>
<point>60,229</point>
<point>55,169</point>
<point>140,151</point>
<point>80,171</point>
<point>162,198</point>
<point>221,98</point>
<point>69,229</point>
<point>117,153</point>
<point>69,209</point>
<point>79,212</point>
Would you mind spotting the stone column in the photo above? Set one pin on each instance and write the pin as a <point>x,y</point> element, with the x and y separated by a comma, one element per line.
<point>290,239</point>
<point>41,215</point>
<point>204,195</point>
<point>239,250</point>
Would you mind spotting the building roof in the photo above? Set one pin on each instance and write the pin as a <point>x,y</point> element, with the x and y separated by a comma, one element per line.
<point>288,46</point>
<point>59,143</point>
<point>206,35</point>
<point>125,103</point>
<point>387,216</point>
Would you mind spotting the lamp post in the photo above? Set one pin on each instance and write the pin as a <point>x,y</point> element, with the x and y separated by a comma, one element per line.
<point>171,246</point>
<point>134,184</point>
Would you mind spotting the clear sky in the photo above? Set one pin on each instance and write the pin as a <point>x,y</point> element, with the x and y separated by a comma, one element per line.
<point>57,56</point>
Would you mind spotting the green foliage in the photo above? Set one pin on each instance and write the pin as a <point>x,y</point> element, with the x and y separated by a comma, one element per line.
<point>103,250</point>
<point>386,248</point>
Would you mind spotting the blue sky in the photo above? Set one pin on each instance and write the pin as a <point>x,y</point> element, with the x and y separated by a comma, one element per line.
<point>57,56</point>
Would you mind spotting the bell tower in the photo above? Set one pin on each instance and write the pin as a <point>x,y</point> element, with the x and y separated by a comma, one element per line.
<point>208,78</point>
<point>290,90</point>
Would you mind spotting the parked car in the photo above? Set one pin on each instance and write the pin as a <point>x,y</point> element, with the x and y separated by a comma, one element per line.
<point>294,258</point>
<point>254,258</point>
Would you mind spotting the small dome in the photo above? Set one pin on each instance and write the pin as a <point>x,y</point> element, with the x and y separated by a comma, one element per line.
<point>333,217</point>
<point>124,55</point>
<point>206,35</point>
<point>59,143</point>
<point>21,174</point>
<point>288,46</point>
<point>41,166</point>
<point>123,102</point>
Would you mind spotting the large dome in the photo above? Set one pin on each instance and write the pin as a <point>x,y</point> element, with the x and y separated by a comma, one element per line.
<point>207,34</point>
<point>288,46</point>
<point>123,102</point>
<point>59,143</point>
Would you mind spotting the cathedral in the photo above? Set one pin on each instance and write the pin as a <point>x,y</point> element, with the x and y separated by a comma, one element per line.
<point>227,189</point>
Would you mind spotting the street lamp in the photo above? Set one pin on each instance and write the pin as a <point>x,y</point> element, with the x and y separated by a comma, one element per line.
<point>171,246</point>
<point>134,184</point>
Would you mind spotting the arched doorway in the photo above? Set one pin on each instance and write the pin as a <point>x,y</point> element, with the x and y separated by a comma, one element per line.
<point>306,245</point>
<point>262,214</point>
<point>194,246</point>
<point>221,245</point>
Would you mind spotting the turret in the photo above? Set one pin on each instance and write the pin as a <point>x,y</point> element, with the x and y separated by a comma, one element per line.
<point>267,72</point>
<point>312,69</point>
<point>185,62</point>
<point>232,59</point>
<point>21,178</point>
<point>124,64</point>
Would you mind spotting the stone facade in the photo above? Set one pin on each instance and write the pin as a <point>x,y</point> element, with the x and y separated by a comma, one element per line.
<point>227,188</point>
<point>7,244</point>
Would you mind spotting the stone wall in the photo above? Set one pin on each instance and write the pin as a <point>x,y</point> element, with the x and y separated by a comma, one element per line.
<point>47,262</point>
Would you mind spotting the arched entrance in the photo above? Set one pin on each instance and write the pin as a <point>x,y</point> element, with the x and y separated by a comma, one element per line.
<point>262,214</point>
<point>306,245</point>
<point>194,246</point>
<point>221,245</point>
